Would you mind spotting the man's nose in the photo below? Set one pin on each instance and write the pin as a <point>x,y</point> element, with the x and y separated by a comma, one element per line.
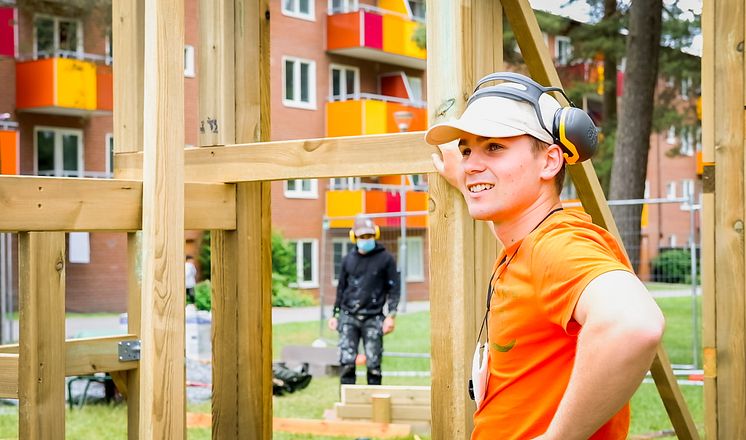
<point>474,163</point>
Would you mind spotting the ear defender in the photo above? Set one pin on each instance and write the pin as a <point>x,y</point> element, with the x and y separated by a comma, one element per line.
<point>376,235</point>
<point>572,129</point>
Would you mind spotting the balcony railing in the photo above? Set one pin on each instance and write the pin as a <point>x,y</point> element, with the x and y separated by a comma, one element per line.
<point>371,114</point>
<point>376,34</point>
<point>70,83</point>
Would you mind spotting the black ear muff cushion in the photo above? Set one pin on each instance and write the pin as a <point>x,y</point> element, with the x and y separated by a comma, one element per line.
<point>575,132</point>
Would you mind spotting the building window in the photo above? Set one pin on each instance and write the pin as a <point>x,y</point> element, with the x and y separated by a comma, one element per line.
<point>671,190</point>
<point>345,82</point>
<point>340,248</point>
<point>415,88</point>
<point>298,9</point>
<point>687,141</point>
<point>301,189</point>
<point>672,241</point>
<point>109,154</point>
<point>109,49</point>
<point>415,260</point>
<point>342,6</point>
<point>344,183</point>
<point>671,135</point>
<point>646,193</point>
<point>58,152</point>
<point>417,8</point>
<point>189,71</point>
<point>299,85</point>
<point>687,188</point>
<point>307,262</point>
<point>55,36</point>
<point>562,50</point>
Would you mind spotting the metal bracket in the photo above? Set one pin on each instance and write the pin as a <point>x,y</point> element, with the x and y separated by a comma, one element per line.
<point>129,350</point>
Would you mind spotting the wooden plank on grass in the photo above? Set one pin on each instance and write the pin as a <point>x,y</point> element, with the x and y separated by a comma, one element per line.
<point>400,394</point>
<point>399,413</point>
<point>41,361</point>
<point>8,376</point>
<point>341,428</point>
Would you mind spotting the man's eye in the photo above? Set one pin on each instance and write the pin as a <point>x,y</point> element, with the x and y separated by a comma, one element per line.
<point>465,152</point>
<point>494,147</point>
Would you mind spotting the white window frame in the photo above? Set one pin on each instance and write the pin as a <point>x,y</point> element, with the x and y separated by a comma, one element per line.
<point>686,138</point>
<point>109,151</point>
<point>314,281</point>
<point>297,103</point>
<point>415,88</point>
<point>558,55</point>
<point>189,66</point>
<point>299,192</point>
<point>345,94</point>
<point>58,160</point>
<point>417,276</point>
<point>672,241</point>
<point>344,183</point>
<point>56,29</point>
<point>671,190</point>
<point>687,188</point>
<point>347,6</point>
<point>347,245</point>
<point>671,135</point>
<point>295,12</point>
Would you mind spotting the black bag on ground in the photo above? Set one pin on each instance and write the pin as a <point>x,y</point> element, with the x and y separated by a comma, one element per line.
<point>286,380</point>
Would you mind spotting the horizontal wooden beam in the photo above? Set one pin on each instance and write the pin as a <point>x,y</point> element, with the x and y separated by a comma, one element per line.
<point>82,356</point>
<point>31,203</point>
<point>371,155</point>
<point>8,376</point>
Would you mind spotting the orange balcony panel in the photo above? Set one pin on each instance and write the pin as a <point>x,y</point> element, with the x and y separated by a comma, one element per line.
<point>419,117</point>
<point>344,204</point>
<point>355,117</point>
<point>35,84</point>
<point>700,164</point>
<point>8,152</point>
<point>343,31</point>
<point>104,90</point>
<point>417,201</point>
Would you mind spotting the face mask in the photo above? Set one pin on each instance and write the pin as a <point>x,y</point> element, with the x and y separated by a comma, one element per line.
<point>366,246</point>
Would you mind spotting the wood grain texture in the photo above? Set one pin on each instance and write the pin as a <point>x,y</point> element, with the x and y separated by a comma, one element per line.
<point>128,40</point>
<point>400,153</point>
<point>456,31</point>
<point>32,203</point>
<point>541,67</point>
<point>134,314</point>
<point>730,297</point>
<point>41,360</point>
<point>162,378</point>
<point>8,376</point>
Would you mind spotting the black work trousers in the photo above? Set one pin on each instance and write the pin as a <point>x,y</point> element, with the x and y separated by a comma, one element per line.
<point>351,329</point>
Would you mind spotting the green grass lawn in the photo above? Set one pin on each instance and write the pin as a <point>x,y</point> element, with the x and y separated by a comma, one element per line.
<point>412,335</point>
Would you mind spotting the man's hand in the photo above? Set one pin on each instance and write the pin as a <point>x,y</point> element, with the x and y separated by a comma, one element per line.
<point>450,165</point>
<point>332,323</point>
<point>388,325</point>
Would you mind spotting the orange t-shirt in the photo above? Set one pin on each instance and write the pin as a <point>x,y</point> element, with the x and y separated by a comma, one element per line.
<point>532,335</point>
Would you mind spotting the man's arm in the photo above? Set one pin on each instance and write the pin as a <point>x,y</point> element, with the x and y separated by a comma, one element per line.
<point>392,292</point>
<point>341,286</point>
<point>622,327</point>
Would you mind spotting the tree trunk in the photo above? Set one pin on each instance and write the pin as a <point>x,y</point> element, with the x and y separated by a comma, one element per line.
<point>610,63</point>
<point>629,168</point>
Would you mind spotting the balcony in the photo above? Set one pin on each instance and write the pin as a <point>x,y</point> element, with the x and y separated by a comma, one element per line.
<point>64,86</point>
<point>371,114</point>
<point>8,148</point>
<point>349,203</point>
<point>375,34</point>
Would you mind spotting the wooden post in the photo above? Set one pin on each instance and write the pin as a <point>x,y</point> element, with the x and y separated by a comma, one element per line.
<point>707,225</point>
<point>234,107</point>
<point>381,404</point>
<point>162,378</point>
<point>457,31</point>
<point>528,35</point>
<point>724,52</point>
<point>41,366</point>
<point>128,36</point>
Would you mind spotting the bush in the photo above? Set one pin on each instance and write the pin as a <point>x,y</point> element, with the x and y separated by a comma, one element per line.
<point>673,266</point>
<point>203,295</point>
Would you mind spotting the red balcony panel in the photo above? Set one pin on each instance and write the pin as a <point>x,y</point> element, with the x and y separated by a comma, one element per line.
<point>104,90</point>
<point>7,32</point>
<point>393,85</point>
<point>373,33</point>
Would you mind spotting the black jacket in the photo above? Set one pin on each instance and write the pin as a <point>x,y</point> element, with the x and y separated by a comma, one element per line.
<point>366,282</point>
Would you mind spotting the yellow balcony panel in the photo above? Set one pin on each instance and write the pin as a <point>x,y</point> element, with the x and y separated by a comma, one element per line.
<point>60,86</point>
<point>346,203</point>
<point>357,117</point>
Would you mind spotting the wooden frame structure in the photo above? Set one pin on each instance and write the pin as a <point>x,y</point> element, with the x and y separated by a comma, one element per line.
<point>227,192</point>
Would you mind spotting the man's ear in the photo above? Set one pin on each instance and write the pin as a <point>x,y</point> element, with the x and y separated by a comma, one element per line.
<point>553,162</point>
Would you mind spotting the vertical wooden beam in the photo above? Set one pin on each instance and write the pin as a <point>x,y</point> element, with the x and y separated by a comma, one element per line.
<point>128,34</point>
<point>457,31</point>
<point>540,64</point>
<point>728,131</point>
<point>253,226</point>
<point>162,378</point>
<point>707,228</point>
<point>41,375</point>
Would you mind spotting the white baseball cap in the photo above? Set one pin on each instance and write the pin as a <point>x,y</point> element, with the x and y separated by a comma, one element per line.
<point>498,117</point>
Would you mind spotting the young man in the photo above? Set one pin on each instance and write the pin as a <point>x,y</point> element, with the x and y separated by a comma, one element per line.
<point>367,280</point>
<point>571,329</point>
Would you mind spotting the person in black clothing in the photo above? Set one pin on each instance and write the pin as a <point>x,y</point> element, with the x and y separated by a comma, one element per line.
<point>368,279</point>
